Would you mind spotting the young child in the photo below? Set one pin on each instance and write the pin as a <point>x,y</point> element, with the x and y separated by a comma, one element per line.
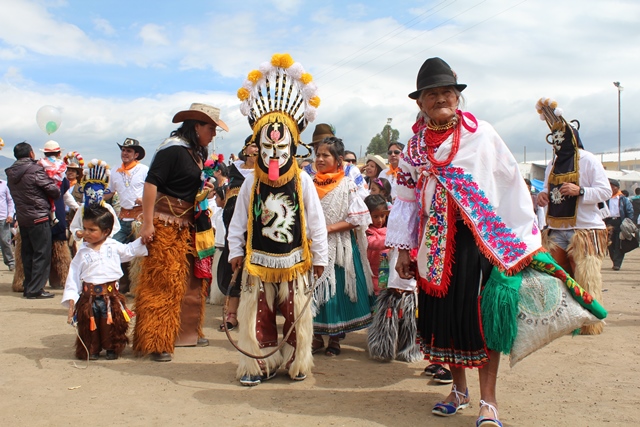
<point>55,168</point>
<point>91,291</point>
<point>382,187</point>
<point>376,235</point>
<point>393,333</point>
<point>215,295</point>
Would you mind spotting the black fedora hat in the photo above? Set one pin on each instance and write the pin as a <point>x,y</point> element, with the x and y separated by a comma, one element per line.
<point>435,73</point>
<point>135,145</point>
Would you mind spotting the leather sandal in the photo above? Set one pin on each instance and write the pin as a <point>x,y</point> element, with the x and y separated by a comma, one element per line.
<point>317,345</point>
<point>483,421</point>
<point>230,325</point>
<point>447,409</point>
<point>333,348</point>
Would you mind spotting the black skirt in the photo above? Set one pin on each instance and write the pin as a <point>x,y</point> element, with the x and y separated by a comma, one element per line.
<point>451,327</point>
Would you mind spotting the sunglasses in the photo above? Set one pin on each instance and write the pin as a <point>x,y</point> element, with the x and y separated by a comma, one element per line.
<point>396,152</point>
<point>350,160</point>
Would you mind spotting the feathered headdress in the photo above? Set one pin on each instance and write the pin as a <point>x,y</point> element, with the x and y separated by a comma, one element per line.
<point>95,181</point>
<point>73,159</point>
<point>279,90</point>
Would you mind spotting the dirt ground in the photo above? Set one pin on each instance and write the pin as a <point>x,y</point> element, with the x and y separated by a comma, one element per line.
<point>574,381</point>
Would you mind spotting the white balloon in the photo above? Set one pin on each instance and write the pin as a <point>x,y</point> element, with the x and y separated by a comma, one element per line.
<point>49,118</point>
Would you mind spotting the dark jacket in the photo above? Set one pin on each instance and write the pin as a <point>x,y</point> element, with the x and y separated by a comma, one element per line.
<point>31,189</point>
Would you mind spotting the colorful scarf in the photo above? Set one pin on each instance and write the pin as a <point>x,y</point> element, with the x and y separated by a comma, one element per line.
<point>125,169</point>
<point>325,182</point>
<point>393,171</point>
<point>483,185</point>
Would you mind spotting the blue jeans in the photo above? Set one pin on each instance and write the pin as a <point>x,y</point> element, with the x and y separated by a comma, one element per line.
<point>125,235</point>
<point>562,238</point>
<point>5,244</point>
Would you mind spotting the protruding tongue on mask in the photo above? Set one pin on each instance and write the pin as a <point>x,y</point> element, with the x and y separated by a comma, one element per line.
<point>274,169</point>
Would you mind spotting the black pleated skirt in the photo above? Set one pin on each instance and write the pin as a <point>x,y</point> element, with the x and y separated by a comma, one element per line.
<point>451,327</point>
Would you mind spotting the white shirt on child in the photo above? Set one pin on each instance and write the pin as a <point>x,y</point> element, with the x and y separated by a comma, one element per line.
<point>218,224</point>
<point>99,267</point>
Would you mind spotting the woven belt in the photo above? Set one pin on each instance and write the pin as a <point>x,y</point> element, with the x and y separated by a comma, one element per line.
<point>106,289</point>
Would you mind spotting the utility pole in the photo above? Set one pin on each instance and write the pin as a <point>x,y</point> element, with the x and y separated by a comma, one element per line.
<point>620,88</point>
<point>389,129</point>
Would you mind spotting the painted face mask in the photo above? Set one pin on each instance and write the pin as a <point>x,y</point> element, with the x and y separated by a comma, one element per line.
<point>275,148</point>
<point>95,182</point>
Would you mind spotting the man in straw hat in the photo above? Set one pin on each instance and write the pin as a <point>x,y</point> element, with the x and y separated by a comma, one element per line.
<point>171,285</point>
<point>128,183</point>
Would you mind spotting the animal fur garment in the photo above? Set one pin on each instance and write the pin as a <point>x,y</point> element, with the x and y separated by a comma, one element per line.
<point>18,273</point>
<point>109,337</point>
<point>60,262</point>
<point>393,333</point>
<point>587,249</point>
<point>161,285</point>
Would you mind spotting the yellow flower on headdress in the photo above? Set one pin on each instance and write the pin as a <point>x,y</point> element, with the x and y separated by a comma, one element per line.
<point>315,101</point>
<point>282,60</point>
<point>243,94</point>
<point>254,76</point>
<point>306,78</point>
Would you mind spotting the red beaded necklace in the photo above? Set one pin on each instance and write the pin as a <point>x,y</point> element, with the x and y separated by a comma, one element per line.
<point>435,135</point>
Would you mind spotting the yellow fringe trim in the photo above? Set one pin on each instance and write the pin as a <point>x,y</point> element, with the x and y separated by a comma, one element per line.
<point>277,116</point>
<point>558,179</point>
<point>562,222</point>
<point>278,275</point>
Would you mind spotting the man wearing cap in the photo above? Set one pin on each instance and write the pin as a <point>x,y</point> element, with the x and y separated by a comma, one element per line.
<point>619,208</point>
<point>128,182</point>
<point>575,182</point>
<point>31,189</point>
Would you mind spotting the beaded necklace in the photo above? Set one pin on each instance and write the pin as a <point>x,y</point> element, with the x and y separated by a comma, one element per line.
<point>435,135</point>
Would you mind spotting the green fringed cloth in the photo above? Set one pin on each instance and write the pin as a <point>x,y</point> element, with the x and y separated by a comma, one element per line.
<point>500,298</point>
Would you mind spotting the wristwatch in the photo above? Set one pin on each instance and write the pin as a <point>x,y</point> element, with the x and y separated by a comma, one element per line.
<point>581,192</point>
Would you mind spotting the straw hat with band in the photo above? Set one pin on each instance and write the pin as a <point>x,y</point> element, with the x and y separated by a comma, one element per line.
<point>51,147</point>
<point>135,145</point>
<point>377,160</point>
<point>202,113</point>
<point>435,73</point>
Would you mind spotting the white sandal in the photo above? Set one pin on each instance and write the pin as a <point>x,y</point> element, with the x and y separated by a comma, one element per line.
<point>447,409</point>
<point>483,421</point>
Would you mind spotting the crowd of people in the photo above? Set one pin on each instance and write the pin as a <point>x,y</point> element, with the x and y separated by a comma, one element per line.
<point>403,246</point>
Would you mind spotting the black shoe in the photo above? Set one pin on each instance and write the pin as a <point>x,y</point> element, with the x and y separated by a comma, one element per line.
<point>161,357</point>
<point>41,295</point>
<point>111,355</point>
<point>443,376</point>
<point>94,356</point>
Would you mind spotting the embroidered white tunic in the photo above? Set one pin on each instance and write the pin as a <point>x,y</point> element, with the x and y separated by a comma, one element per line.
<point>129,186</point>
<point>99,266</point>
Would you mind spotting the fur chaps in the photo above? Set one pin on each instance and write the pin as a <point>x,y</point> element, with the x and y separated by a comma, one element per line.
<point>394,332</point>
<point>295,355</point>
<point>161,284</point>
<point>60,262</point>
<point>108,337</point>
<point>18,273</point>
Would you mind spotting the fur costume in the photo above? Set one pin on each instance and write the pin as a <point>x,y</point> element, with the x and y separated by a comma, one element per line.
<point>271,209</point>
<point>105,336</point>
<point>60,261</point>
<point>583,261</point>
<point>18,274</point>
<point>162,307</point>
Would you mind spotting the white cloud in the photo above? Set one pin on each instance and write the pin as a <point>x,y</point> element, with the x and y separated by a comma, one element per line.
<point>28,25</point>
<point>104,26</point>
<point>152,34</point>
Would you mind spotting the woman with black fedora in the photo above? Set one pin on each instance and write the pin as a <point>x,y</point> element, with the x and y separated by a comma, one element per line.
<point>170,288</point>
<point>462,203</point>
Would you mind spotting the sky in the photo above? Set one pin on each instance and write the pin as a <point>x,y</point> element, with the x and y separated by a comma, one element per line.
<point>119,69</point>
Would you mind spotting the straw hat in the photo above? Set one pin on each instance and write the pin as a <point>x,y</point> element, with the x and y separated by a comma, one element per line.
<point>203,113</point>
<point>377,160</point>
<point>51,147</point>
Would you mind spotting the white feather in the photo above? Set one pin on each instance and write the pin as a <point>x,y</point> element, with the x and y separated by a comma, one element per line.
<point>296,70</point>
<point>558,112</point>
